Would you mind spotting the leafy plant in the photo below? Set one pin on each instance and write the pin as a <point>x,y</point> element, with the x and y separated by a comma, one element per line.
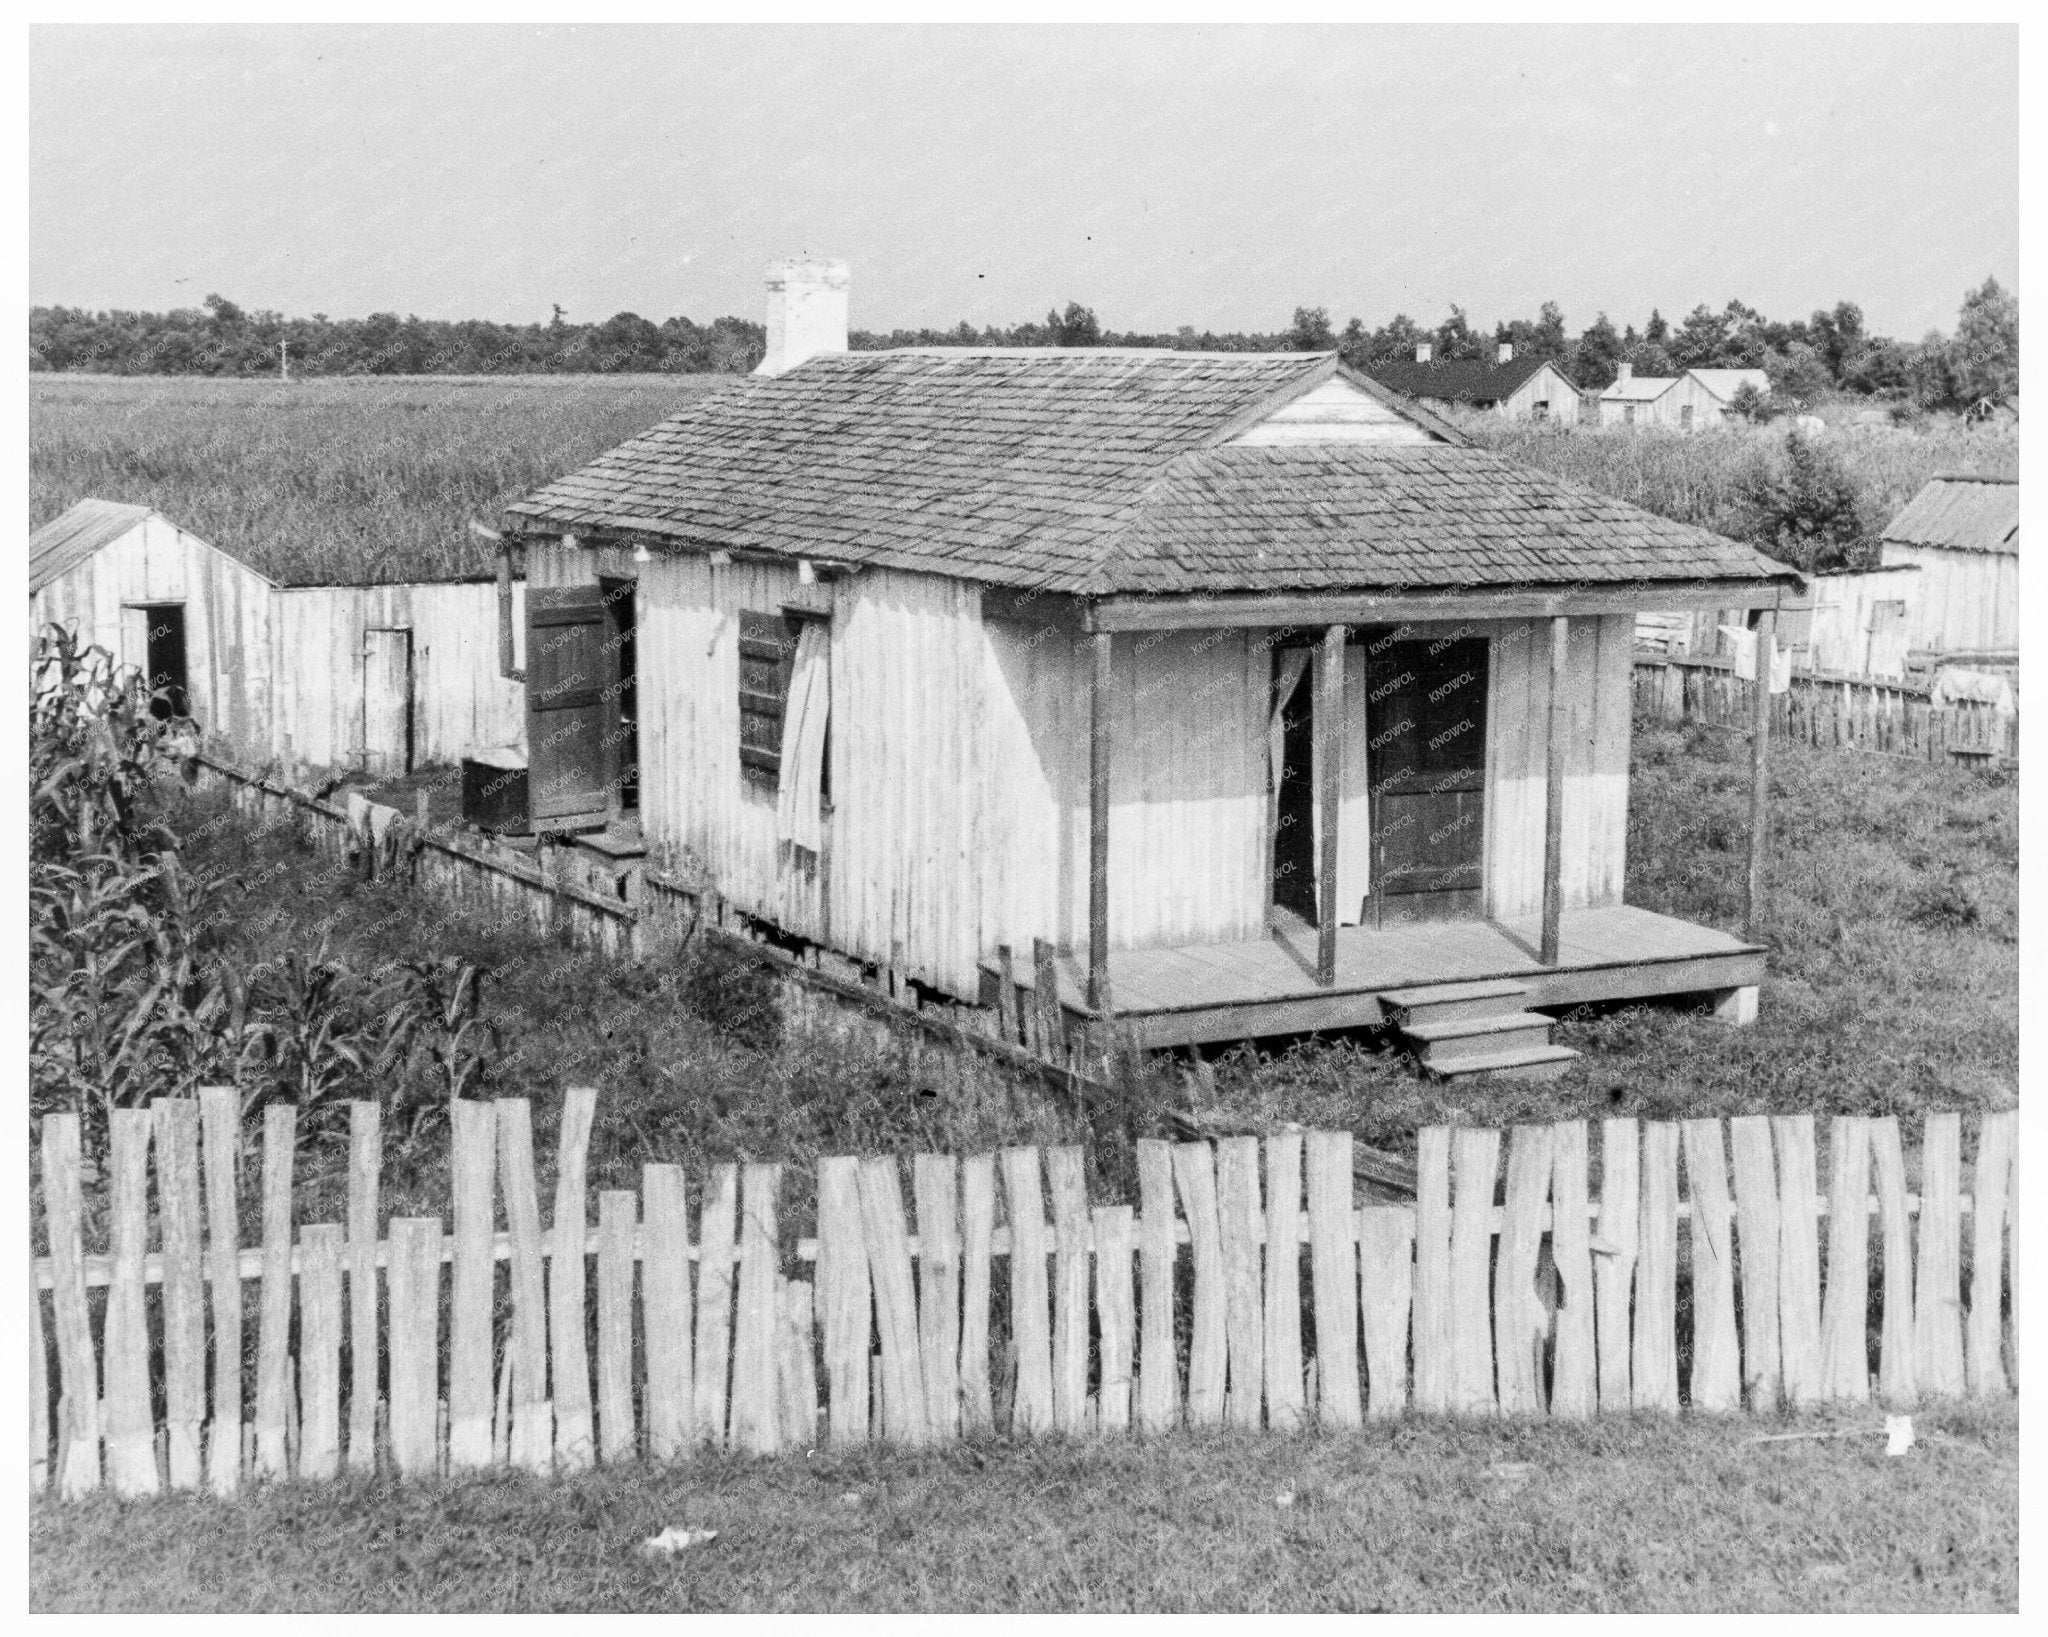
<point>435,1013</point>
<point>311,1038</point>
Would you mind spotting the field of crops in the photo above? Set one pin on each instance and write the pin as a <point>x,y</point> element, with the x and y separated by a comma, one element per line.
<point>340,477</point>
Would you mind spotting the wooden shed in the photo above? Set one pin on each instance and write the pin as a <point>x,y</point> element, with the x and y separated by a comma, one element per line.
<point>384,677</point>
<point>1696,401</point>
<point>1517,389</point>
<point>1963,533</point>
<point>1251,687</point>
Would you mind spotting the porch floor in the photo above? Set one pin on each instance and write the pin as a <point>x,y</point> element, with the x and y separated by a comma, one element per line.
<point>1211,992</point>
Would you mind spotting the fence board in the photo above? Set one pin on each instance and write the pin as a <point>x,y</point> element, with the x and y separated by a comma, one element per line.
<point>754,1330</point>
<point>473,1129</point>
<point>273,1339</point>
<point>1067,1193</point>
<point>1334,1277</point>
<point>902,1410</point>
<point>1031,1410</point>
<point>935,1188</point>
<point>844,1303</point>
<point>124,1348</point>
<point>1757,1237</point>
<point>78,1365</point>
<point>1284,1399</point>
<point>796,1366</point>
<point>220,1117</point>
<point>1798,1259</point>
<point>1116,1311</point>
<point>365,1163</point>
<point>1434,1357</point>
<point>1574,1391</point>
<point>1158,1360</point>
<point>1386,1273</point>
<point>1614,1258</point>
<point>1938,1277</point>
<point>1896,1383</point>
<point>665,1307</point>
<point>977,1251</point>
<point>1655,1360</point>
<point>1521,1325</point>
<point>1477,1154</point>
<point>1194,1176</point>
<point>320,1324</point>
<point>618,1438</point>
<point>1716,1356</point>
<point>1239,1220</point>
<point>1986,1369</point>
<point>38,1387</point>
<point>568,1315</point>
<point>414,1273</point>
<point>1845,1359</point>
<point>715,1241</point>
<point>532,1439</point>
<point>176,1121</point>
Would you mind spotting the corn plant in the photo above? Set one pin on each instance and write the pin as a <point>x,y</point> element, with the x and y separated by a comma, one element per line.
<point>435,1013</point>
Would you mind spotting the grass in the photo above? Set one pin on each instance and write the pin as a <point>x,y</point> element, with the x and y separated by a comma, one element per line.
<point>337,477</point>
<point>1629,1514</point>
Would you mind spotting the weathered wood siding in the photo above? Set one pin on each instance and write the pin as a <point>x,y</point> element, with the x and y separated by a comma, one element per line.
<point>1547,385</point>
<point>1335,412</point>
<point>1841,630</point>
<point>459,700</point>
<point>1967,599</point>
<point>1596,765</point>
<point>228,645</point>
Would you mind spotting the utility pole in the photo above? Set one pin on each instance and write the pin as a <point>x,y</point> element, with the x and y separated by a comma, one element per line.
<point>284,369</point>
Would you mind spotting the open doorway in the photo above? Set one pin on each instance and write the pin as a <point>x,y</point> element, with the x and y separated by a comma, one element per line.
<point>1294,807</point>
<point>625,720</point>
<point>164,660</point>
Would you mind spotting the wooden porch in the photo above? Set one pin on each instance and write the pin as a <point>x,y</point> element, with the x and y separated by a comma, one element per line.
<point>1236,991</point>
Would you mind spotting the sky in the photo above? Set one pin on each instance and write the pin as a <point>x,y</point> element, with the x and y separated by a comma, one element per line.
<point>1212,176</point>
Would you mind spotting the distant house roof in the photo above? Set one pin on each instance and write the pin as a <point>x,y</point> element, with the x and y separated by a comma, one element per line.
<point>1725,383</point>
<point>1961,512</point>
<point>1639,389</point>
<point>64,542</point>
<point>1466,381</point>
<point>1099,472</point>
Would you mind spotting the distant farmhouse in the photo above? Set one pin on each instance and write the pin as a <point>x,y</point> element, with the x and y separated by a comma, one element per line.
<point>1528,389</point>
<point>384,677</point>
<point>1696,400</point>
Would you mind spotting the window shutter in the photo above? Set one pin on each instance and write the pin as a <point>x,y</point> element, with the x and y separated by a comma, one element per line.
<point>570,671</point>
<point>767,659</point>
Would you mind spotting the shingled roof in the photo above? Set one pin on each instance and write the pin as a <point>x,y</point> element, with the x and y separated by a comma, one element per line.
<point>1462,381</point>
<point>1097,472</point>
<point>1961,513</point>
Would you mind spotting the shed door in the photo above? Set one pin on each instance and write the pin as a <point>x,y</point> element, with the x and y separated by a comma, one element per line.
<point>571,708</point>
<point>1426,751</point>
<point>387,701</point>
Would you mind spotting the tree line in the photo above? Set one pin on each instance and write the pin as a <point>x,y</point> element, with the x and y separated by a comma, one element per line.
<point>1831,351</point>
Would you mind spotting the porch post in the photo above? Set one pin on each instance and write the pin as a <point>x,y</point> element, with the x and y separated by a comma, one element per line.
<point>1098,827</point>
<point>1759,774</point>
<point>1329,732</point>
<point>1553,790</point>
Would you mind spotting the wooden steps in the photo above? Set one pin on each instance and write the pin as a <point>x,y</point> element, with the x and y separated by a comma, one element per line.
<point>1457,1030</point>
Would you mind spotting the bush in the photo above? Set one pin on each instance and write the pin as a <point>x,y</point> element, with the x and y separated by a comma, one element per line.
<point>1809,512</point>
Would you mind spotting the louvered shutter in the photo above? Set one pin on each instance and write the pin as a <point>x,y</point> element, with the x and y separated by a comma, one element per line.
<point>570,708</point>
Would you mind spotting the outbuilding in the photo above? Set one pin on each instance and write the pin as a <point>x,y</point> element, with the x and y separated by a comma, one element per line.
<point>1517,389</point>
<point>1962,531</point>
<point>1253,690</point>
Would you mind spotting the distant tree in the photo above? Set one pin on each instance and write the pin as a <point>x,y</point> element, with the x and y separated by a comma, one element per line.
<point>1595,360</point>
<point>1076,327</point>
<point>1799,373</point>
<point>1838,336</point>
<point>1311,330</point>
<point>1701,340</point>
<point>1354,346</point>
<point>1396,340</point>
<point>1931,378</point>
<point>1750,404</point>
<point>1650,357</point>
<point>1987,344</point>
<point>1455,340</point>
<point>1657,331</point>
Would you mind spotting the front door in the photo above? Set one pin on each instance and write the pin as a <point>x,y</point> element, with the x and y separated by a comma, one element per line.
<point>387,702</point>
<point>1426,772</point>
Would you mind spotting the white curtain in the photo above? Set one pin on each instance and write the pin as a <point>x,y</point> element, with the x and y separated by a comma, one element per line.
<point>1354,838</point>
<point>809,706</point>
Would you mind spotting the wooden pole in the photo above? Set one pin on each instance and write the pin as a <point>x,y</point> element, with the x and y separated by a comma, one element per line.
<point>1759,773</point>
<point>1329,753</point>
<point>1553,790</point>
<point>1098,828</point>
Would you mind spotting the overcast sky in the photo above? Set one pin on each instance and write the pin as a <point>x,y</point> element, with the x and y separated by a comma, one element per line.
<point>1217,177</point>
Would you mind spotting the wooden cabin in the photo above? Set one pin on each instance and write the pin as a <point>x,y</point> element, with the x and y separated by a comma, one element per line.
<point>1517,389</point>
<point>384,677</point>
<point>1254,689</point>
<point>1696,401</point>
<point>1962,532</point>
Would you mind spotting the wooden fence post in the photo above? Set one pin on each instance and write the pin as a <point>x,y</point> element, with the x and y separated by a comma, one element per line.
<point>1574,1391</point>
<point>177,1154</point>
<point>1759,1234</point>
<point>1520,1324</point>
<point>1194,1175</point>
<point>1239,1218</point>
<point>754,1397</point>
<point>320,1255</point>
<point>1435,1359</point>
<point>977,1238</point>
<point>935,1189</point>
<point>472,1158</point>
<point>1285,1407</point>
<point>1386,1244</point>
<point>1614,1258</point>
<point>1896,1382</point>
<point>1845,1364</point>
<point>1158,1359</point>
<point>1068,1196</point>
<point>1478,1163</point>
<point>1938,1288</point>
<point>1716,1359</point>
<point>1030,1319</point>
<point>1655,1364</point>
<point>1333,1277</point>
<point>130,1433</point>
<point>220,1115</point>
<point>715,1248</point>
<point>665,1298</point>
<point>78,1369</point>
<point>365,1339</point>
<point>1988,1184</point>
<point>273,1340</point>
<point>845,1309</point>
<point>568,1336</point>
<point>531,1442</point>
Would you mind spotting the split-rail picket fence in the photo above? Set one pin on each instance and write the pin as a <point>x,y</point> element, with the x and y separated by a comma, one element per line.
<point>1831,712</point>
<point>1247,1289</point>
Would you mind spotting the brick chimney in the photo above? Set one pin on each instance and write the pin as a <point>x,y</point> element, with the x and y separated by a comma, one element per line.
<point>1422,350</point>
<point>806,312</point>
<point>1506,354</point>
<point>1626,374</point>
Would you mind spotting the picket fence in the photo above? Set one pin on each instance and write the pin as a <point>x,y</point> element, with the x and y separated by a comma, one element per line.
<point>1847,713</point>
<point>1289,1305</point>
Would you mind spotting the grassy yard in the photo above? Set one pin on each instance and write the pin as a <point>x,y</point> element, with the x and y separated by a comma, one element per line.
<point>1636,1514</point>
